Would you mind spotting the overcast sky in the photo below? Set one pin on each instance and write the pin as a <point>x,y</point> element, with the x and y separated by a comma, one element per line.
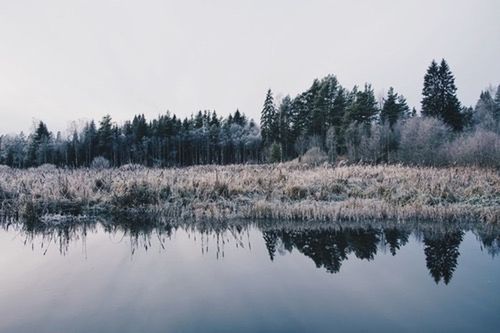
<point>65,60</point>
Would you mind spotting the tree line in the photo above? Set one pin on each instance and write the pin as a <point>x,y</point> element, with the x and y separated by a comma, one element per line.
<point>204,138</point>
<point>355,124</point>
<point>323,122</point>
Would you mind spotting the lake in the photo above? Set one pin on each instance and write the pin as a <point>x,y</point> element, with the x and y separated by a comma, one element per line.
<point>259,277</point>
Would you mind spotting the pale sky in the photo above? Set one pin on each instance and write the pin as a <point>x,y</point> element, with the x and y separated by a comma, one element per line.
<point>66,60</point>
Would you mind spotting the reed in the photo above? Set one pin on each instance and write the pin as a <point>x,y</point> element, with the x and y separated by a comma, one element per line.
<point>288,191</point>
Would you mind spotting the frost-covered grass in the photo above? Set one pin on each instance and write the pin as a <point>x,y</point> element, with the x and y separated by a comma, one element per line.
<point>285,191</point>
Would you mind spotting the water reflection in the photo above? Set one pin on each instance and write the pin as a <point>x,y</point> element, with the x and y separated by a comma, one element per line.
<point>327,246</point>
<point>441,254</point>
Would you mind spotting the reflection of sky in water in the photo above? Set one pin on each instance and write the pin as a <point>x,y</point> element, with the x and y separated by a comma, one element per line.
<point>109,282</point>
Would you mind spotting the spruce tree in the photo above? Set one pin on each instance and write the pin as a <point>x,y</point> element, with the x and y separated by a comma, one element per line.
<point>267,119</point>
<point>284,130</point>
<point>40,137</point>
<point>394,108</point>
<point>439,95</point>
<point>105,137</point>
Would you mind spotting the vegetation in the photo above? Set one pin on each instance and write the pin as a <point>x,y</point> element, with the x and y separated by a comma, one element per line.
<point>327,116</point>
<point>290,191</point>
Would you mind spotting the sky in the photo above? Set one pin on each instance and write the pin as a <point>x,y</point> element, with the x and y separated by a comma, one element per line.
<point>77,60</point>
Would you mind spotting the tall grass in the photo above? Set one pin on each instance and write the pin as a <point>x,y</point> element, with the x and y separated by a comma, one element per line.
<point>288,191</point>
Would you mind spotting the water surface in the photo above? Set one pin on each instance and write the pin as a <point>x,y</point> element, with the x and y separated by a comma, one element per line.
<point>248,278</point>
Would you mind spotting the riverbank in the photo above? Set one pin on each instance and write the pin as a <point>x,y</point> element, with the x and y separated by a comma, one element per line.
<point>284,191</point>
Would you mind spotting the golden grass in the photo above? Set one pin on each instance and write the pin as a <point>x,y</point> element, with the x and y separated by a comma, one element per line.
<point>285,191</point>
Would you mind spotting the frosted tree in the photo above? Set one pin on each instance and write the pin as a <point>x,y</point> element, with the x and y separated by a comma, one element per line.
<point>331,144</point>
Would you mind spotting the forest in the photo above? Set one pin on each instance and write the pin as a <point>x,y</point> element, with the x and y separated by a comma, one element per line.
<point>327,122</point>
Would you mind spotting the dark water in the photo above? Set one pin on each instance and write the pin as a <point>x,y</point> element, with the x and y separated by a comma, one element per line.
<point>248,279</point>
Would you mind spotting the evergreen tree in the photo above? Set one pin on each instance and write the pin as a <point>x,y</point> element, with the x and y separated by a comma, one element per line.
<point>440,100</point>
<point>497,102</point>
<point>336,117</point>
<point>37,150</point>
<point>105,137</point>
<point>299,115</point>
<point>322,102</point>
<point>275,153</point>
<point>363,107</point>
<point>485,113</point>
<point>394,108</point>
<point>413,112</point>
<point>90,142</point>
<point>239,118</point>
<point>267,120</point>
<point>284,126</point>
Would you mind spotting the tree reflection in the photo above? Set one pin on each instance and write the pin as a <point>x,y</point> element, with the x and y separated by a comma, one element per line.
<point>327,247</point>
<point>441,254</point>
<point>395,238</point>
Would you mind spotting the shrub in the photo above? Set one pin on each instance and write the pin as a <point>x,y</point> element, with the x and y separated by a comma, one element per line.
<point>135,195</point>
<point>100,163</point>
<point>422,140</point>
<point>46,167</point>
<point>275,153</point>
<point>132,167</point>
<point>314,156</point>
<point>481,148</point>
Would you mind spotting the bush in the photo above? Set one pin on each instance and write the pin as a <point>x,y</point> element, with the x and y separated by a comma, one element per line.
<point>132,167</point>
<point>100,163</point>
<point>314,156</point>
<point>422,140</point>
<point>481,148</point>
<point>275,153</point>
<point>46,167</point>
<point>135,195</point>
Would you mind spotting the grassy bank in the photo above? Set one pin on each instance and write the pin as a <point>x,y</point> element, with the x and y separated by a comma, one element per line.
<point>285,192</point>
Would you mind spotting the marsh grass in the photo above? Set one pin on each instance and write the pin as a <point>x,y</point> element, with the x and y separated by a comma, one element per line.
<point>289,191</point>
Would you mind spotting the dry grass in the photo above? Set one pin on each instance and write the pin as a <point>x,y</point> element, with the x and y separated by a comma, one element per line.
<point>285,191</point>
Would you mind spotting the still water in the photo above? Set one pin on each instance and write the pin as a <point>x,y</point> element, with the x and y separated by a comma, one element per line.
<point>248,278</point>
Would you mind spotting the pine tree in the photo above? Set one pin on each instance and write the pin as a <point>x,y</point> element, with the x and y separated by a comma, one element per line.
<point>267,119</point>
<point>440,100</point>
